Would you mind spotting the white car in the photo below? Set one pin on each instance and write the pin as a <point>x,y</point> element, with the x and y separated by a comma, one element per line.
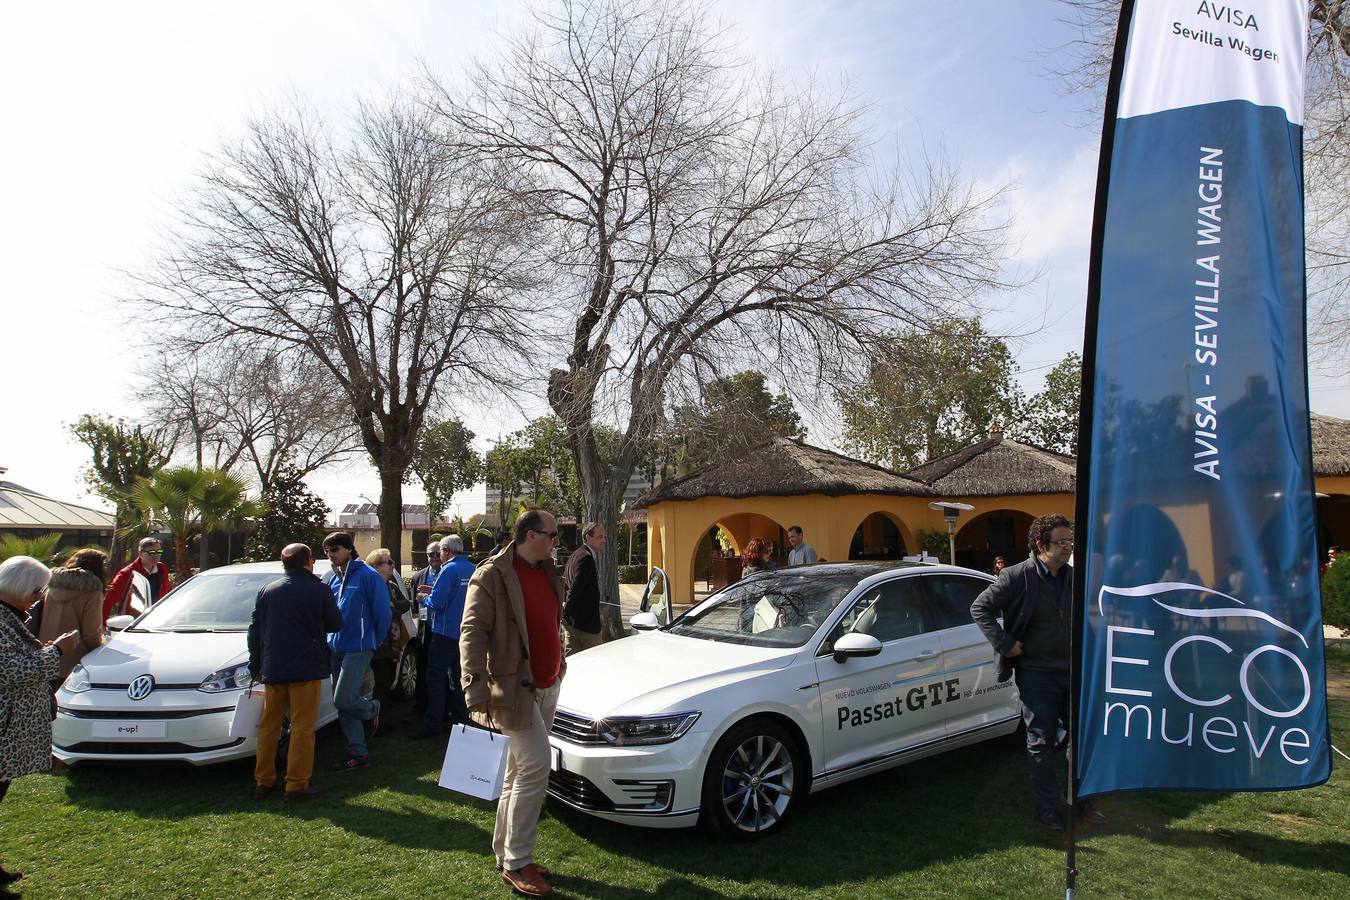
<point>164,689</point>
<point>779,685</point>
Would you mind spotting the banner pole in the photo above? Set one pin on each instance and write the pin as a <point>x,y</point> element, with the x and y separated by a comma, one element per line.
<point>1084,446</point>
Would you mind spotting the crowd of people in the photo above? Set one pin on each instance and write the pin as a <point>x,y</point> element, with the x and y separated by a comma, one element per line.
<point>496,641</point>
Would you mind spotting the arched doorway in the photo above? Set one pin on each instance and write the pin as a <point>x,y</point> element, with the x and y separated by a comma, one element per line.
<point>710,568</point>
<point>998,532</point>
<point>879,536</point>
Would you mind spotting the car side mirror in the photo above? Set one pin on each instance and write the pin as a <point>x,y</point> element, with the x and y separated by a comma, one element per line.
<point>855,644</point>
<point>645,621</point>
<point>120,623</point>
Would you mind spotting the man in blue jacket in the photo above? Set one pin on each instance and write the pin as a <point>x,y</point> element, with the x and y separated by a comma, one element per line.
<point>363,599</point>
<point>445,607</point>
<point>288,652</point>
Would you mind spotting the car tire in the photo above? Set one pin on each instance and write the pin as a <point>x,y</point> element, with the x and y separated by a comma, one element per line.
<point>405,673</point>
<point>755,778</point>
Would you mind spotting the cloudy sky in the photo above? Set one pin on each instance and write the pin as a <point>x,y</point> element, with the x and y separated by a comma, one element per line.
<point>112,105</point>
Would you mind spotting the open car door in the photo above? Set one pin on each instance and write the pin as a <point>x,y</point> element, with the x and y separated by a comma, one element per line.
<point>656,598</point>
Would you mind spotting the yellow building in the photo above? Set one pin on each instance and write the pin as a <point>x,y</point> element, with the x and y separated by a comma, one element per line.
<point>849,509</point>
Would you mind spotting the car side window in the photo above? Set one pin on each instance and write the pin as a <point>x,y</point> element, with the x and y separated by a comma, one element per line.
<point>889,612</point>
<point>951,596</point>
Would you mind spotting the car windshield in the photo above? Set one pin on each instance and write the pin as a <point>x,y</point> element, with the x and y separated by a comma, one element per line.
<point>208,602</point>
<point>780,609</point>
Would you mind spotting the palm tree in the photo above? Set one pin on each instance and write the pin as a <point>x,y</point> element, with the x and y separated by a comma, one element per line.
<point>41,547</point>
<point>191,503</point>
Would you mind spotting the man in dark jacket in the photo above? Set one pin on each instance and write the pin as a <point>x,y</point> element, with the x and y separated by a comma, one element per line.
<point>581,616</point>
<point>1034,599</point>
<point>288,652</point>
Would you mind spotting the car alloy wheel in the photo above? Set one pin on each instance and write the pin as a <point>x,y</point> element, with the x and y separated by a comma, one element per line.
<point>752,780</point>
<point>405,676</point>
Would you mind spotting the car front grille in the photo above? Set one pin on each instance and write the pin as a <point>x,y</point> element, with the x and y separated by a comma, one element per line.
<point>140,715</point>
<point>138,748</point>
<point>576,729</point>
<point>578,791</point>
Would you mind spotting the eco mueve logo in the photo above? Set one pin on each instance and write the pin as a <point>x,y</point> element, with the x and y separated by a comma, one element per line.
<point>1218,679</point>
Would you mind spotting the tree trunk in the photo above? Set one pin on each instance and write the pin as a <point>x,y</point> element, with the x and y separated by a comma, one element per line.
<point>181,559</point>
<point>602,506</point>
<point>391,513</point>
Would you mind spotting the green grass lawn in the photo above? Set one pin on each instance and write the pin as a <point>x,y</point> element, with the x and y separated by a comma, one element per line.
<point>958,825</point>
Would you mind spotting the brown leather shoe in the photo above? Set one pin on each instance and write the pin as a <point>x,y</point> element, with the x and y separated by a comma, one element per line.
<point>308,793</point>
<point>543,870</point>
<point>528,881</point>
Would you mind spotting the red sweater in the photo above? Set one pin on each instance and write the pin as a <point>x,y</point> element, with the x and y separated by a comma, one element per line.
<point>541,623</point>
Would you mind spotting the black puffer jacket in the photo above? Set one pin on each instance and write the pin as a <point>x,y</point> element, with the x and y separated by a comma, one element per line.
<point>288,639</point>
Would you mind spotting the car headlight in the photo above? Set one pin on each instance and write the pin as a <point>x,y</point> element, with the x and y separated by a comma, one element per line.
<point>628,732</point>
<point>230,678</point>
<point>77,682</point>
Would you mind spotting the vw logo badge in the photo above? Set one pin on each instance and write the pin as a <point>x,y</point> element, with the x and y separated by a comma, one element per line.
<point>141,687</point>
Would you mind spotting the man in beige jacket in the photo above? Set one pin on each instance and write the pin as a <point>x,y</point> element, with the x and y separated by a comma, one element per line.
<point>512,663</point>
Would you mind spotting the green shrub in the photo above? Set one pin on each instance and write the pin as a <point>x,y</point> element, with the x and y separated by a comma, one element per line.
<point>636,574</point>
<point>1336,596</point>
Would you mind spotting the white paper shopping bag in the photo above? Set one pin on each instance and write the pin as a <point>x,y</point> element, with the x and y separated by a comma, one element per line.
<point>247,714</point>
<point>475,762</point>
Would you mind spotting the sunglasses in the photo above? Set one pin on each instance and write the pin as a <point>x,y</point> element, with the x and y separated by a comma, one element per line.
<point>153,552</point>
<point>552,535</point>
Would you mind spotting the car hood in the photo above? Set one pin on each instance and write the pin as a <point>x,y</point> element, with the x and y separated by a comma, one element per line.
<point>658,672</point>
<point>173,658</point>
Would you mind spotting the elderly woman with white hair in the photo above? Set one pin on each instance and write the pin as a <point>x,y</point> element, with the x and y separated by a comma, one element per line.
<point>26,667</point>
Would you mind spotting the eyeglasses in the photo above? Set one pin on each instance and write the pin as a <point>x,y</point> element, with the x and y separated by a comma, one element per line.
<point>1067,542</point>
<point>153,552</point>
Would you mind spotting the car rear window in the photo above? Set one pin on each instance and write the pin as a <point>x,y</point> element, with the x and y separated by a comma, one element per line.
<point>208,602</point>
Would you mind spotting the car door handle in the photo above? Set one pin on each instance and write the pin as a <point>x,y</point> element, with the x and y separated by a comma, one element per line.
<point>927,654</point>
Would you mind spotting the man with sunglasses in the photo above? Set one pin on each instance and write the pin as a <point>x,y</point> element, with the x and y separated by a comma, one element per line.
<point>147,563</point>
<point>363,600</point>
<point>512,662</point>
<point>1034,598</point>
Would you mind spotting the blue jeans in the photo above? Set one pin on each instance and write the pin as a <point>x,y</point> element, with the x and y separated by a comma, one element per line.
<point>349,670</point>
<point>443,673</point>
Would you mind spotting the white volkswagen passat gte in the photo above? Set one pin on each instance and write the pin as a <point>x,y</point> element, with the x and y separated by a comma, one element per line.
<point>165,688</point>
<point>784,683</point>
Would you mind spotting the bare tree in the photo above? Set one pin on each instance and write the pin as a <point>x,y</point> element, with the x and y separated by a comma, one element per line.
<point>699,217</point>
<point>1326,143</point>
<point>259,407</point>
<point>383,258</point>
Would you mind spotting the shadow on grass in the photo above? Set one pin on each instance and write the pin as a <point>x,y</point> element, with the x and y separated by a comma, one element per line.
<point>958,806</point>
<point>407,813</point>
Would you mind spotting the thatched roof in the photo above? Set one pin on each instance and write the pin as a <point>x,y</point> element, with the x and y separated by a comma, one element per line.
<point>998,466</point>
<point>784,468</point>
<point>1330,445</point>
